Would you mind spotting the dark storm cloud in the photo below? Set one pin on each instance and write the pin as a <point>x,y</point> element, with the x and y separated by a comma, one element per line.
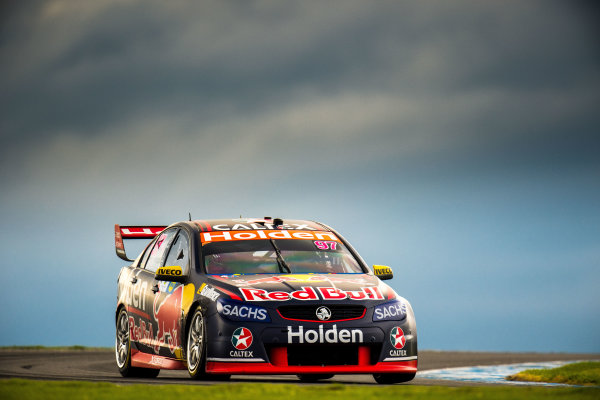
<point>462,81</point>
<point>121,61</point>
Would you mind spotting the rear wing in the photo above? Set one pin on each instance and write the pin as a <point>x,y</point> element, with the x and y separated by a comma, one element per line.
<point>133,232</point>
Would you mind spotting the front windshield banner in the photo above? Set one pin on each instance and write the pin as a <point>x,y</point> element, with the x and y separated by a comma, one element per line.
<point>226,236</point>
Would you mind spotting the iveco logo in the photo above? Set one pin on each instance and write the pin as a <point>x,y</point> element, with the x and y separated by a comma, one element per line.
<point>323,313</point>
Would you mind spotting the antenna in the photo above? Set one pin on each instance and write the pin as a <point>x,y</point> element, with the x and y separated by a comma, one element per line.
<point>190,214</point>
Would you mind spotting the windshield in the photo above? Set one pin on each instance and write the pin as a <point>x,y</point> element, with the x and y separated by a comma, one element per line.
<point>297,256</point>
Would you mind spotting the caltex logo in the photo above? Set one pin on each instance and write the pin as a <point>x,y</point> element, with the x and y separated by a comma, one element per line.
<point>323,313</point>
<point>241,338</point>
<point>397,337</point>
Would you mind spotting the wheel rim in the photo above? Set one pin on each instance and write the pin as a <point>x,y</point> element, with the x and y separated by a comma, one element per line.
<point>195,342</point>
<point>122,340</point>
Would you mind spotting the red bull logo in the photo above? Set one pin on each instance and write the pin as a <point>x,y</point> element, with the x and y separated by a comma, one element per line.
<point>140,333</point>
<point>310,293</point>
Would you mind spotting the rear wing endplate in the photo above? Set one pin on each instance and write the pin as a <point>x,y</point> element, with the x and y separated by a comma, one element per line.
<point>133,232</point>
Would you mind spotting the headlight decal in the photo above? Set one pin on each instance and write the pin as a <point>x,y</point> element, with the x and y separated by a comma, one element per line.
<point>240,311</point>
<point>392,311</point>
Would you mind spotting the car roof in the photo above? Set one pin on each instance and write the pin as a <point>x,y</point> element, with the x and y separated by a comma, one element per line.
<point>239,224</point>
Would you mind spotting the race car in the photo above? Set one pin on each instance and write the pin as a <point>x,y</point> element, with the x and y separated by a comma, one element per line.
<point>258,296</point>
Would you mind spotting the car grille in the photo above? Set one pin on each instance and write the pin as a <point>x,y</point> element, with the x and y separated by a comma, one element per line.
<point>309,312</point>
<point>322,355</point>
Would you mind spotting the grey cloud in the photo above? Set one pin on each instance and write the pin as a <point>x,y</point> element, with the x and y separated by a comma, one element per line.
<point>405,81</point>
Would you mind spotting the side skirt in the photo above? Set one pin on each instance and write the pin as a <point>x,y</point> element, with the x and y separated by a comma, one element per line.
<point>145,360</point>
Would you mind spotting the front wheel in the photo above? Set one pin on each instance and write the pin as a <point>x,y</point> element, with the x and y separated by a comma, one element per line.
<point>123,351</point>
<point>196,347</point>
<point>393,378</point>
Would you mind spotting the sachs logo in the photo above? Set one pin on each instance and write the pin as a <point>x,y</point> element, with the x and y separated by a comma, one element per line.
<point>241,338</point>
<point>397,337</point>
<point>323,313</point>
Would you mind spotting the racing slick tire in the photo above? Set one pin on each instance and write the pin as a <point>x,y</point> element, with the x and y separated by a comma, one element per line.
<point>196,346</point>
<point>123,351</point>
<point>196,349</point>
<point>393,378</point>
<point>313,377</point>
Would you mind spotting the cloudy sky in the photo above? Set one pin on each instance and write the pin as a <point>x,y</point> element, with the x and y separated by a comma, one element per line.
<point>458,142</point>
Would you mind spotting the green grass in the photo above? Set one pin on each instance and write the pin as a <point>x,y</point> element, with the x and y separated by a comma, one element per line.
<point>582,373</point>
<point>50,390</point>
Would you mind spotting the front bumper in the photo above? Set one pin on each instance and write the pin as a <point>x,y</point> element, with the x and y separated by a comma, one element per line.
<point>279,348</point>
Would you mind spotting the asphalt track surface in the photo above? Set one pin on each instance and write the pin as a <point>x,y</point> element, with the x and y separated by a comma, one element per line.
<point>99,366</point>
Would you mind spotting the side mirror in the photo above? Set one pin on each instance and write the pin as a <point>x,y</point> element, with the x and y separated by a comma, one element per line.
<point>383,272</point>
<point>171,274</point>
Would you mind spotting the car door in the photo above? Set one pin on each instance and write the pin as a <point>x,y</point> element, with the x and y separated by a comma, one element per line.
<point>168,297</point>
<point>140,322</point>
<point>153,258</point>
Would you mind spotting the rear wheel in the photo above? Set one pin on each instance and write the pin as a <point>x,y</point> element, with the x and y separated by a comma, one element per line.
<point>393,378</point>
<point>123,351</point>
<point>314,377</point>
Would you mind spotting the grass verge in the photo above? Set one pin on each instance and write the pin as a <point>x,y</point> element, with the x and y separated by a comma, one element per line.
<point>50,390</point>
<point>582,373</point>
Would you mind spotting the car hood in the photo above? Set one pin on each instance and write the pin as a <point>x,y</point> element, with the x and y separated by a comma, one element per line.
<point>322,287</point>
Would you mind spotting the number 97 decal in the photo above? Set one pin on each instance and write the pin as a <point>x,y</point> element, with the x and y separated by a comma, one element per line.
<point>326,245</point>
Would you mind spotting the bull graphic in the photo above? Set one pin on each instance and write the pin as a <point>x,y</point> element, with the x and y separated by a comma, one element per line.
<point>167,311</point>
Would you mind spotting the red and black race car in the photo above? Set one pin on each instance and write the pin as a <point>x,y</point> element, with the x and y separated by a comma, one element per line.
<point>258,296</point>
